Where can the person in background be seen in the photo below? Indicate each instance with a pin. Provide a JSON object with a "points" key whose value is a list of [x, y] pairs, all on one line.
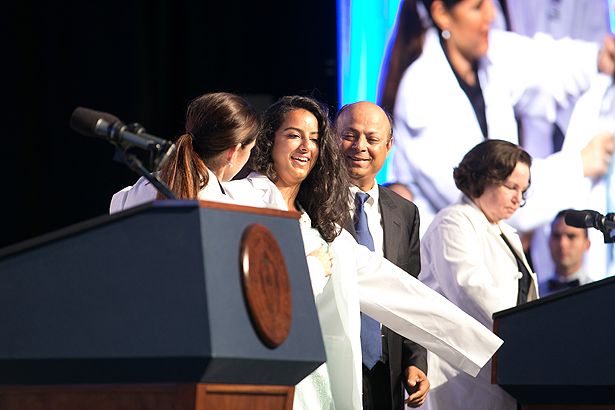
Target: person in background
{"points": [[456, 84], [400, 189], [567, 246], [586, 20], [366, 135], [475, 259]]}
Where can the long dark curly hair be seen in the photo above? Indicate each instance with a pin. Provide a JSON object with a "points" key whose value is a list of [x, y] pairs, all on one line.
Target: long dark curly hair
{"points": [[324, 193]]}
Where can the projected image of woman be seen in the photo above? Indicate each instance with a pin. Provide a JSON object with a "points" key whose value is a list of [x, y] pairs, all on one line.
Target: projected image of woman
{"points": [[458, 83]]}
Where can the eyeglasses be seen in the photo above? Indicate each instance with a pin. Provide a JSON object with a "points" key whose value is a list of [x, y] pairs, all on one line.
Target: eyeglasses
{"points": [[518, 192]]}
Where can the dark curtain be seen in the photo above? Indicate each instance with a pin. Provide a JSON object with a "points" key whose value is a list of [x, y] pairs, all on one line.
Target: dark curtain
{"points": [[142, 61]]}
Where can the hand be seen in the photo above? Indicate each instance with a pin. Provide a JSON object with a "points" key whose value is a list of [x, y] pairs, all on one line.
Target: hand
{"points": [[597, 155], [606, 57], [325, 258], [418, 386]]}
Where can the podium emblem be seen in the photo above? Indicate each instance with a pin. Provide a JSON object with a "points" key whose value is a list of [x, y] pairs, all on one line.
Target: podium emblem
{"points": [[266, 285]]}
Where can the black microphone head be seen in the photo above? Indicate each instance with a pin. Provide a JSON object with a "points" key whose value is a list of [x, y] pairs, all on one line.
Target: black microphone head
{"points": [[87, 122], [582, 219]]}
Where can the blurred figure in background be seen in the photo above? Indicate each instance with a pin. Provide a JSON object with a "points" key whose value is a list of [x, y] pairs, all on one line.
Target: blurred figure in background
{"points": [[400, 189], [595, 113], [586, 20], [568, 246], [460, 83]]}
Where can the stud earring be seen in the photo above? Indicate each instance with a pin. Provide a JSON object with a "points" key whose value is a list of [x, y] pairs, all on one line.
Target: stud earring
{"points": [[446, 34]]}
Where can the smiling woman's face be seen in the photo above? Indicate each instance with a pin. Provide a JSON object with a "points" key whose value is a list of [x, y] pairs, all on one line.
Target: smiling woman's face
{"points": [[295, 148]]}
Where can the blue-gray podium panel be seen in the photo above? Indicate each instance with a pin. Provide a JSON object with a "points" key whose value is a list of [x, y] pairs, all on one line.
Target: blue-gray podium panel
{"points": [[153, 294], [559, 349]]}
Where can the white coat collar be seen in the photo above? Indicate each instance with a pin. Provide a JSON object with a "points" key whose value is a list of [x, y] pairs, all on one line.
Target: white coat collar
{"points": [[256, 190], [479, 219]]}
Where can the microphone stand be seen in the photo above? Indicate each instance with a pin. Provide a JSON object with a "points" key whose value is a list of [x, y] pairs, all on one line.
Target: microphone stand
{"points": [[609, 230], [137, 166]]}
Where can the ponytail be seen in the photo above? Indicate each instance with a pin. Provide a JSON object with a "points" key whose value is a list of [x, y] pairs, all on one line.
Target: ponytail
{"points": [[185, 172], [215, 122]]}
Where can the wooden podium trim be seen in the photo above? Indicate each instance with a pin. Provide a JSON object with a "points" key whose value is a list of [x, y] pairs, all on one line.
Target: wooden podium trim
{"points": [[243, 397], [185, 396]]}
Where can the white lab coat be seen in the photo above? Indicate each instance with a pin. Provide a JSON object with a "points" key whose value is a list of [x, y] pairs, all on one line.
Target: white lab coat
{"points": [[143, 191], [364, 281], [435, 124], [465, 259], [579, 19]]}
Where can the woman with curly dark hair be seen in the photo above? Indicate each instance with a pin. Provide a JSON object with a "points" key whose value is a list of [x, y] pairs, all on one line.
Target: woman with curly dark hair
{"points": [[313, 173], [299, 167]]}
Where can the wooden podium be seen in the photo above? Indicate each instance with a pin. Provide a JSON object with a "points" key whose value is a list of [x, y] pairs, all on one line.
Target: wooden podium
{"points": [[557, 351], [172, 305]]}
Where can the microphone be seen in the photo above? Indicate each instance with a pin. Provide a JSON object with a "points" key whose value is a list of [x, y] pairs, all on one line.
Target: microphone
{"points": [[590, 219], [93, 123], [166, 147]]}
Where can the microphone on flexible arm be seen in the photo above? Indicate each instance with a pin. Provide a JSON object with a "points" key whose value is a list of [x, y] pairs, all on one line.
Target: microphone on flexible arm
{"points": [[592, 219], [102, 124], [98, 124]]}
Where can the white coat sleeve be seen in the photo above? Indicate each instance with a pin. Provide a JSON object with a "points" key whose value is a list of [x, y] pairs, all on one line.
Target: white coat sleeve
{"points": [[544, 74], [118, 200], [553, 74], [455, 253], [404, 304], [585, 121], [421, 157]]}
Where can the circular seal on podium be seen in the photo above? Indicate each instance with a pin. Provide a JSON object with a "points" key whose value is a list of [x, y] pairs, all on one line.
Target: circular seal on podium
{"points": [[266, 285]]}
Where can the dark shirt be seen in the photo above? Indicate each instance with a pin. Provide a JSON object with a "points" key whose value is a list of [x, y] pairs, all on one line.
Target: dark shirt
{"points": [[474, 94], [525, 280]]}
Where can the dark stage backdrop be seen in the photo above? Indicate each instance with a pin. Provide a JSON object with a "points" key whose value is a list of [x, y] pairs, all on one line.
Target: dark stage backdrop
{"points": [[142, 61]]}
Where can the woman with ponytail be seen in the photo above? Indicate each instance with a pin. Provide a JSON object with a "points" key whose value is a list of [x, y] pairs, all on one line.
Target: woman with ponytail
{"points": [[221, 129]]}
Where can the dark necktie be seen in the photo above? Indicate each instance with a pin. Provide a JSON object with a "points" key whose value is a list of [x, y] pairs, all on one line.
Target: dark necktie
{"points": [[555, 285], [371, 342]]}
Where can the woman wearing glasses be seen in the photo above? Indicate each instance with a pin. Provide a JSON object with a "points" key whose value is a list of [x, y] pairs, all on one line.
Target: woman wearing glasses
{"points": [[473, 258]]}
